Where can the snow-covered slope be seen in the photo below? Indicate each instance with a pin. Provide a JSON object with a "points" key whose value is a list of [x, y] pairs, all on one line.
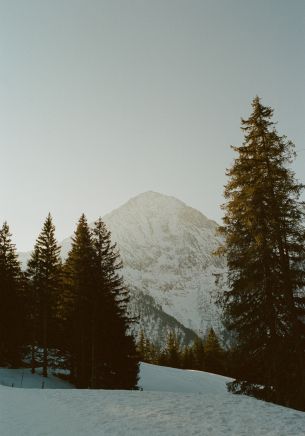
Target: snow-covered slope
{"points": [[173, 402], [167, 252]]}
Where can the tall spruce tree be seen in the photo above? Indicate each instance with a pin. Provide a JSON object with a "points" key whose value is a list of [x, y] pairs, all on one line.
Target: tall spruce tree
{"points": [[213, 353], [173, 350], [44, 274], [265, 248], [198, 353], [113, 366], [11, 307], [79, 272]]}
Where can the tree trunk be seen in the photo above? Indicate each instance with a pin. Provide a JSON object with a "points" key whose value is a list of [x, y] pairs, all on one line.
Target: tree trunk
{"points": [[33, 362], [45, 341], [92, 380]]}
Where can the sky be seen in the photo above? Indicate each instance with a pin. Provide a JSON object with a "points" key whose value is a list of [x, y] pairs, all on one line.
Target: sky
{"points": [[102, 100]]}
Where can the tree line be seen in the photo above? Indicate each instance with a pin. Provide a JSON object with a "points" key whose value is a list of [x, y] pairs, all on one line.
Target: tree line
{"points": [[205, 354], [72, 315]]}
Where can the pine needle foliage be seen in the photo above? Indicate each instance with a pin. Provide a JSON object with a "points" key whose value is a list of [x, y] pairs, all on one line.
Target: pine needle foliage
{"points": [[12, 302], [213, 353], [44, 276], [103, 353], [265, 249]]}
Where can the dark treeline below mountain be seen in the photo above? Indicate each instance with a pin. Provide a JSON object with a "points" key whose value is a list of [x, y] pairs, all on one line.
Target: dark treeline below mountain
{"points": [[203, 354], [71, 315]]}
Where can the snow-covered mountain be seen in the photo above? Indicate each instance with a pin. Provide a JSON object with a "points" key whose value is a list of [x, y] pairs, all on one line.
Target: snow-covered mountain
{"points": [[169, 266]]}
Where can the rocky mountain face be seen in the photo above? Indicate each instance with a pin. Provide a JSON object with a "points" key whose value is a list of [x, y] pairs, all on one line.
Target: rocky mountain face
{"points": [[167, 252]]}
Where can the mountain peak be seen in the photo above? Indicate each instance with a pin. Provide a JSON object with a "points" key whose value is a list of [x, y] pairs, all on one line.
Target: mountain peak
{"points": [[151, 206], [152, 196]]}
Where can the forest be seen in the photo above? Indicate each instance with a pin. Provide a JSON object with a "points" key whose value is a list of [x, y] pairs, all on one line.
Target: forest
{"points": [[70, 315]]}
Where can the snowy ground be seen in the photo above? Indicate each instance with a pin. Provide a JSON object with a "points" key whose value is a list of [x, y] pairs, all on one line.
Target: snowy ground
{"points": [[173, 402], [23, 378]]}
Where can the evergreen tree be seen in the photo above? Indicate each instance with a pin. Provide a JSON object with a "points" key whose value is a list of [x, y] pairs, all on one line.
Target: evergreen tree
{"points": [[187, 358], [142, 347], [264, 244], [103, 353], [11, 307], [172, 351], [44, 274], [152, 353], [198, 354], [118, 365], [147, 351], [79, 271], [213, 353]]}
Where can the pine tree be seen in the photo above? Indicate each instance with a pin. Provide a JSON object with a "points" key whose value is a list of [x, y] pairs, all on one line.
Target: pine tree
{"points": [[44, 274], [103, 353], [198, 354], [147, 351], [11, 307], [213, 353], [118, 365], [142, 346], [172, 351], [79, 272], [187, 358], [152, 352], [264, 244]]}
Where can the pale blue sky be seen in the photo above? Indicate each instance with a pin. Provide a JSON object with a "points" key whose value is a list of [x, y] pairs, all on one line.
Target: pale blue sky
{"points": [[102, 100]]}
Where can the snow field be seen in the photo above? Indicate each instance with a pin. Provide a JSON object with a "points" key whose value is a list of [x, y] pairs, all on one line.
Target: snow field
{"points": [[173, 402]]}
